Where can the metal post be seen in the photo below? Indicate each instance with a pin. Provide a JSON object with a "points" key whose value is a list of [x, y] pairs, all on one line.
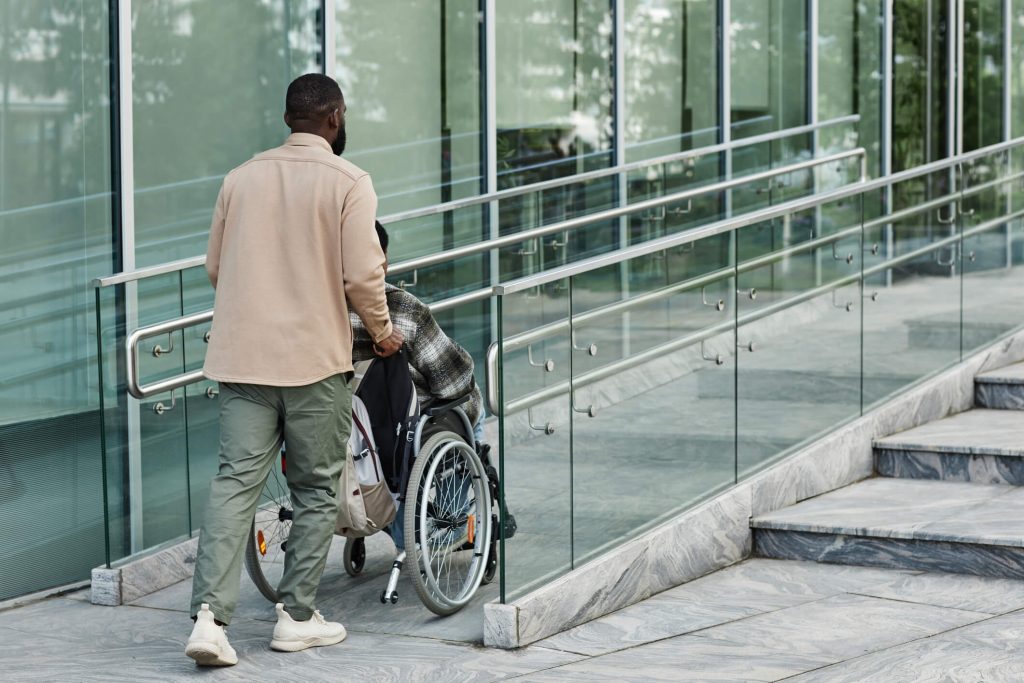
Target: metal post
{"points": [[127, 197], [491, 123], [330, 46]]}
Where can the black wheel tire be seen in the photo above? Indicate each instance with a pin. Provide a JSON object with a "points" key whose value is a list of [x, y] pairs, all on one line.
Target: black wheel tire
{"points": [[383, 597], [394, 597], [492, 564], [355, 556], [255, 569]]}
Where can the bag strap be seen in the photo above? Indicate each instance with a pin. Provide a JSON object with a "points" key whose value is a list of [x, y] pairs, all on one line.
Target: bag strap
{"points": [[369, 446]]}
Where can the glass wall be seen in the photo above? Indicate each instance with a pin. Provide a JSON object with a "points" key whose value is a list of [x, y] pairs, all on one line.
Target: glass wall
{"points": [[56, 231], [849, 44], [982, 73], [769, 66], [1016, 76], [208, 93], [671, 76]]}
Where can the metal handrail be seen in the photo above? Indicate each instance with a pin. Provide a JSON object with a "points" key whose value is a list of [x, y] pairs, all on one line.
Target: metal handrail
{"points": [[731, 225], [445, 304], [171, 383], [601, 216], [196, 261], [605, 371]]}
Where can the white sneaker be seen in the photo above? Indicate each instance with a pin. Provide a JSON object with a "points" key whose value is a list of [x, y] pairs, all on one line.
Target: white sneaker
{"points": [[292, 636], [208, 644]]}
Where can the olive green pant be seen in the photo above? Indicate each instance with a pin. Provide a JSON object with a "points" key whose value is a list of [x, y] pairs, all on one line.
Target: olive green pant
{"points": [[314, 421]]}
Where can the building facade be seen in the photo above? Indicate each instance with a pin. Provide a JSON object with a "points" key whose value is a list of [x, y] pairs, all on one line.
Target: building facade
{"points": [[119, 118]]}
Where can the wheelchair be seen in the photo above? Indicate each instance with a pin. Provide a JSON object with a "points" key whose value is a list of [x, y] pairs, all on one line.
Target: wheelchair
{"points": [[445, 530]]}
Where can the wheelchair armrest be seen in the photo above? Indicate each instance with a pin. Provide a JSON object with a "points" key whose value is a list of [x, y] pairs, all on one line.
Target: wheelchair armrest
{"points": [[433, 410]]}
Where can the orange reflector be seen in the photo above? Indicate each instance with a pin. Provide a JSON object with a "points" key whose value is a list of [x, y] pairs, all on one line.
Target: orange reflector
{"points": [[471, 527], [261, 542]]}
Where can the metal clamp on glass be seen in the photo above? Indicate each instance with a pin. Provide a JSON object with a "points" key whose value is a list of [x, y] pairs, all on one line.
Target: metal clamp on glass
{"points": [[836, 257], [591, 349], [403, 284], [212, 392], [749, 346], [946, 264], [159, 350], [946, 221], [548, 364], [752, 293], [547, 427], [676, 211], [717, 305], [717, 358], [527, 252], [159, 408], [848, 305]]}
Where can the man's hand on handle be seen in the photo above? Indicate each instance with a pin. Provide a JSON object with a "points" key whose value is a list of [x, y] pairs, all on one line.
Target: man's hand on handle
{"points": [[389, 345]]}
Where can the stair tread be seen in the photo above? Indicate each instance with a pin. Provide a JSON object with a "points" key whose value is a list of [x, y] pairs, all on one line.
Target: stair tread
{"points": [[926, 510], [980, 431], [1011, 374]]}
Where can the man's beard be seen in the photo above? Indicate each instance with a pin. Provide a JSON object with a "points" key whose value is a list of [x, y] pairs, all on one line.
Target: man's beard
{"points": [[338, 146]]}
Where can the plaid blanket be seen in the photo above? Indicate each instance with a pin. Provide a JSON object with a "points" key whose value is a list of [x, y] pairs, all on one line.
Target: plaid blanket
{"points": [[441, 369]]}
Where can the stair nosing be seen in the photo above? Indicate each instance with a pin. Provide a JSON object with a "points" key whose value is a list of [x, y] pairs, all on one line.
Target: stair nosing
{"points": [[882, 534], [995, 451]]}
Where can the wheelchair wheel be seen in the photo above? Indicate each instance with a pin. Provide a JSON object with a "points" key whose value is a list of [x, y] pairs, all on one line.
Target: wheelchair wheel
{"points": [[355, 556], [447, 523], [268, 535]]}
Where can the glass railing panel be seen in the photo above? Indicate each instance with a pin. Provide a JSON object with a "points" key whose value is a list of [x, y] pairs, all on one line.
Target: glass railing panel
{"points": [[911, 301], [201, 399], [653, 403], [993, 276], [112, 397], [798, 330], [535, 440], [159, 480]]}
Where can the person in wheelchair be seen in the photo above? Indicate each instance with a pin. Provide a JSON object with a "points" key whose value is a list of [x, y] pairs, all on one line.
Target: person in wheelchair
{"points": [[441, 369]]}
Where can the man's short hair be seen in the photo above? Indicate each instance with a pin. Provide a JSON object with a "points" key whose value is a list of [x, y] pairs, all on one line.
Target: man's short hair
{"points": [[312, 96], [382, 235]]}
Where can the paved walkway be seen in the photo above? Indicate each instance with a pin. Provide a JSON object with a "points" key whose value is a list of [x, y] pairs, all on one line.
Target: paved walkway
{"points": [[762, 620]]}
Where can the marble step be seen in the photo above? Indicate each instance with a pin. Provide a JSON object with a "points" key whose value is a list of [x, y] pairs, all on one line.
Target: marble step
{"points": [[982, 446], [942, 526], [1001, 389]]}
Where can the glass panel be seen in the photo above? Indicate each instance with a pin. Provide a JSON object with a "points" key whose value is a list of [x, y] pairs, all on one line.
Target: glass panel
{"points": [[671, 76], [56, 232], [983, 73], [536, 465], [993, 296], [661, 435], [158, 480], [769, 65], [911, 302], [410, 71], [798, 369], [200, 399], [850, 75], [183, 149]]}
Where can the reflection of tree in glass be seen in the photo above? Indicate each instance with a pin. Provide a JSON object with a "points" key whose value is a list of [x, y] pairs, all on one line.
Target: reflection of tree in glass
{"points": [[209, 81]]}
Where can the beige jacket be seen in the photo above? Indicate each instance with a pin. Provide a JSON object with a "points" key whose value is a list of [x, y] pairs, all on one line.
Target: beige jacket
{"points": [[292, 238]]}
